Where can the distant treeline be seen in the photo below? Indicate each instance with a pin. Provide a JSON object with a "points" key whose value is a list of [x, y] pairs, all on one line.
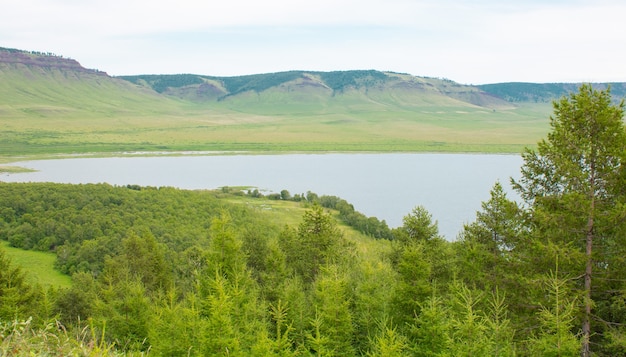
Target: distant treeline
{"points": [[160, 83], [370, 226], [36, 53], [336, 80], [340, 80], [545, 92]]}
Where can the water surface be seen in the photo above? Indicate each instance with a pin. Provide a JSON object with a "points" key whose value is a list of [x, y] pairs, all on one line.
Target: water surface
{"points": [[388, 186]]}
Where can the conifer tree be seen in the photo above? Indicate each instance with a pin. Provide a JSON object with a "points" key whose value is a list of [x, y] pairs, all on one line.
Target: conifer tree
{"points": [[15, 293], [413, 285], [316, 242], [332, 302], [225, 249], [300, 310], [141, 258], [373, 286], [229, 294], [488, 252], [431, 329], [416, 251], [282, 343], [389, 343], [499, 329], [574, 184], [496, 228], [469, 331], [316, 340], [555, 337], [175, 327], [419, 226], [76, 303], [221, 327], [123, 311]]}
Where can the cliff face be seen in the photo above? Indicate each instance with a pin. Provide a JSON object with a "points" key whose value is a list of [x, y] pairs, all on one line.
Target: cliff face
{"points": [[11, 56], [36, 85]]}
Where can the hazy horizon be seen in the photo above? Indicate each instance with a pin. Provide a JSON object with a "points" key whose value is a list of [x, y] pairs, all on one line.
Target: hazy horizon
{"points": [[470, 42]]}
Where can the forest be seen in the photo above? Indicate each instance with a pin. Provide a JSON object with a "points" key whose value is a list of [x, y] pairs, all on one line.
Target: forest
{"points": [[163, 271], [336, 80]]}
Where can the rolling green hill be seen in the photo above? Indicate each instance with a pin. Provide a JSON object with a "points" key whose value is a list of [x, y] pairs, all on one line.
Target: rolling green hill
{"points": [[47, 86], [52, 105], [544, 92], [316, 91]]}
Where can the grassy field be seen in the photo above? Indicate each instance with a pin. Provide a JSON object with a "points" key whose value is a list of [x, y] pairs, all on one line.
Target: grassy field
{"points": [[210, 129], [38, 265], [53, 112], [13, 169]]}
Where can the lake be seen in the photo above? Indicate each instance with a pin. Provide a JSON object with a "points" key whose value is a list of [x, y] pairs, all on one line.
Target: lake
{"points": [[450, 186]]}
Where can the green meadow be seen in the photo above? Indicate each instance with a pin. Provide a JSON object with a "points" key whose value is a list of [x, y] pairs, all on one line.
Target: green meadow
{"points": [[56, 112], [210, 129], [38, 265]]}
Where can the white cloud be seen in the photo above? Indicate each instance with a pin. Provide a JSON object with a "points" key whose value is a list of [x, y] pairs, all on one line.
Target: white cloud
{"points": [[468, 41]]}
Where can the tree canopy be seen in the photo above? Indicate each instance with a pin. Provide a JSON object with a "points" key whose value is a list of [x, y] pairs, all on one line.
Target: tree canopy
{"points": [[175, 272], [574, 186]]}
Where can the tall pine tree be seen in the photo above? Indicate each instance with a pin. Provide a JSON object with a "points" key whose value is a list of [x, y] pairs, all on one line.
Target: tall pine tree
{"points": [[573, 184]]}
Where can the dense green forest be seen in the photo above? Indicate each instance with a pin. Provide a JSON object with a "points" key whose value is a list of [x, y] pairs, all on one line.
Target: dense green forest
{"points": [[163, 271]]}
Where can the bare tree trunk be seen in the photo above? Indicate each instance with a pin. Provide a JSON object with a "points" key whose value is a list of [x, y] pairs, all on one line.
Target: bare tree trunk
{"points": [[586, 349]]}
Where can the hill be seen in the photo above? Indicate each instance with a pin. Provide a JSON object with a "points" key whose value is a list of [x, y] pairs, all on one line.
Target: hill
{"points": [[516, 92], [46, 84], [317, 90], [52, 105], [337, 83]]}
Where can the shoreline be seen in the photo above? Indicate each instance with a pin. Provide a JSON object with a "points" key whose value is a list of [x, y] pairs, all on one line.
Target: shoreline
{"points": [[7, 168], [6, 160]]}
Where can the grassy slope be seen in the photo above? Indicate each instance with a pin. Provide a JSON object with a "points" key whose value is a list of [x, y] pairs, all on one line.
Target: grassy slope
{"points": [[49, 111], [389, 120], [52, 110], [38, 265], [289, 213]]}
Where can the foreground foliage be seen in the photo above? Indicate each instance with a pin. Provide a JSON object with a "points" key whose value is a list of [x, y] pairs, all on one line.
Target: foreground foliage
{"points": [[172, 272]]}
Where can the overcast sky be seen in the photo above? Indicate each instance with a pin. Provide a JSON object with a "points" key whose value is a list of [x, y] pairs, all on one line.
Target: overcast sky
{"points": [[468, 41]]}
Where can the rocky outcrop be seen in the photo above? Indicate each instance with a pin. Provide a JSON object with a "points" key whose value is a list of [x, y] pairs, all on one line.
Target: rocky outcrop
{"points": [[44, 60]]}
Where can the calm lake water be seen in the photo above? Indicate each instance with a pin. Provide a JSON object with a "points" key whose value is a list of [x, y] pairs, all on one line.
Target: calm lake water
{"points": [[450, 186]]}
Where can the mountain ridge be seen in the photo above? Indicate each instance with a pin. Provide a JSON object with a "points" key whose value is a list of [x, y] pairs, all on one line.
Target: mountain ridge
{"points": [[43, 59], [515, 92], [208, 88], [323, 84], [512, 92], [51, 104]]}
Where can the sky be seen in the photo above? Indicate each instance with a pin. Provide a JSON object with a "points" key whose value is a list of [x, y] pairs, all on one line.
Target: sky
{"points": [[467, 41]]}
